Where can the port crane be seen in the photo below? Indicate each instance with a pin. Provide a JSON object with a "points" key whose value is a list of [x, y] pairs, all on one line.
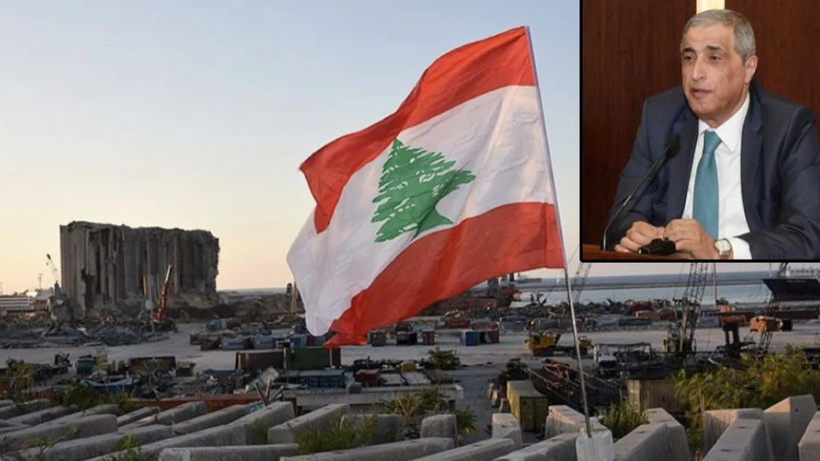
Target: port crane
{"points": [[579, 281], [53, 267], [681, 338]]}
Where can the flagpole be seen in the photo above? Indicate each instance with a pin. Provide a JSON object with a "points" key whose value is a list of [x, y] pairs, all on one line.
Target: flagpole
{"points": [[563, 247]]}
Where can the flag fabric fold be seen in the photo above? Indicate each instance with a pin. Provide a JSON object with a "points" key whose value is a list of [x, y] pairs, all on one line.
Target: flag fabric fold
{"points": [[450, 190]]}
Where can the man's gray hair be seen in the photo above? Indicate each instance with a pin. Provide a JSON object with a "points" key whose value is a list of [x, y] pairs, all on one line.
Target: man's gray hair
{"points": [[744, 35]]}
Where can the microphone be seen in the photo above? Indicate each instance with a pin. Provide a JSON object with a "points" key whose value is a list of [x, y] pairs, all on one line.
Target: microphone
{"points": [[669, 152]]}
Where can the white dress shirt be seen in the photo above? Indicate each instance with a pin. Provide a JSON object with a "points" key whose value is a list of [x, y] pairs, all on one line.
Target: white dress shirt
{"points": [[731, 215]]}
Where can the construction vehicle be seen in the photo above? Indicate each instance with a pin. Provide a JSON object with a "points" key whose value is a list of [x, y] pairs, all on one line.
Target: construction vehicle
{"points": [[160, 319], [545, 344], [770, 311]]}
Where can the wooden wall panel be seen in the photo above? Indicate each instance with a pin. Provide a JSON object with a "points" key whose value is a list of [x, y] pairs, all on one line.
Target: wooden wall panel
{"points": [[786, 34], [629, 51]]}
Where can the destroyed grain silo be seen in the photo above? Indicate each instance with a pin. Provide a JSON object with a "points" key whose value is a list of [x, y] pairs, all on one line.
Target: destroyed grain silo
{"points": [[106, 266]]}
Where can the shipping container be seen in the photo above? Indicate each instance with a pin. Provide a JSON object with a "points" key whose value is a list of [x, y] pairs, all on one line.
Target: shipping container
{"points": [[469, 337], [378, 338], [527, 405], [368, 378], [407, 338], [492, 336], [233, 344], [259, 361], [652, 393], [457, 322], [309, 358], [263, 341], [428, 338]]}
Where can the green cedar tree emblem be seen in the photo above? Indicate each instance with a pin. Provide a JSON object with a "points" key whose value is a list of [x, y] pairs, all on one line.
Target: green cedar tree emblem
{"points": [[411, 185]]}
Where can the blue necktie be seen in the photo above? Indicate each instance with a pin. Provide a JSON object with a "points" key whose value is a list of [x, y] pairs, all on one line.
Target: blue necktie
{"points": [[706, 202]]}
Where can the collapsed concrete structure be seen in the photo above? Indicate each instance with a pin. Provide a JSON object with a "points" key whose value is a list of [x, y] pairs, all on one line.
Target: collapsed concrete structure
{"points": [[108, 265]]}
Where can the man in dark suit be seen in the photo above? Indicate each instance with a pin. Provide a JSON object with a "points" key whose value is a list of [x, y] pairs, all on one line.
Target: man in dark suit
{"points": [[745, 183]]}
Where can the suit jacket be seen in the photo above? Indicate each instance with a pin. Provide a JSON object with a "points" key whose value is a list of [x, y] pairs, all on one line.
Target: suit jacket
{"points": [[779, 164]]}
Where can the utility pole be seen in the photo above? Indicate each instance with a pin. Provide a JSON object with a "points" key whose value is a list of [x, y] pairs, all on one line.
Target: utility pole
{"points": [[40, 281]]}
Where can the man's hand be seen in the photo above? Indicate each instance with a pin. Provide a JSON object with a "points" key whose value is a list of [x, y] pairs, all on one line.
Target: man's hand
{"points": [[689, 236], [640, 234]]}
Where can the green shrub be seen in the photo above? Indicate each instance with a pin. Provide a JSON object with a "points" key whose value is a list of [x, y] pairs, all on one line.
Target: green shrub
{"points": [[129, 450], [337, 436], [754, 384], [622, 419], [444, 360], [84, 397], [415, 406]]}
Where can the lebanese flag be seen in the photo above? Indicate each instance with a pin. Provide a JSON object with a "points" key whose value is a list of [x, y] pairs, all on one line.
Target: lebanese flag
{"points": [[452, 189]]}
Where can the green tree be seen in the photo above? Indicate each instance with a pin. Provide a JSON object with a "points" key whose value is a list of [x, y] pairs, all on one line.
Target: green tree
{"points": [[755, 384], [412, 183], [622, 419]]}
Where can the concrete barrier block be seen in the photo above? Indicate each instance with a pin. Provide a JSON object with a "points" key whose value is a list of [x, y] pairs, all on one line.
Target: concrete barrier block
{"points": [[645, 442], [485, 450], [216, 418], [562, 419], [106, 409], [809, 446], [19, 409], [786, 421], [396, 451], [561, 447], [386, 428], [490, 388], [598, 447], [504, 425], [743, 440], [100, 445], [222, 436], [181, 413], [249, 453], [288, 432], [715, 422], [256, 424], [172, 416], [136, 415], [676, 433], [81, 428], [42, 416], [6, 426], [439, 426]]}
